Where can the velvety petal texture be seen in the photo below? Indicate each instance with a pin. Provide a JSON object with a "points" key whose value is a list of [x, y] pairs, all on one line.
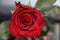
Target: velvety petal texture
{"points": [[26, 21]]}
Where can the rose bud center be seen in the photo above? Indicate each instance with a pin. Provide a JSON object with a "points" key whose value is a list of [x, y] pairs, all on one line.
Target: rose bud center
{"points": [[26, 20]]}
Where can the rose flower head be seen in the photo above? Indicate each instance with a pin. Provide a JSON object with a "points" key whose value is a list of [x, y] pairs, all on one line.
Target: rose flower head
{"points": [[26, 21]]}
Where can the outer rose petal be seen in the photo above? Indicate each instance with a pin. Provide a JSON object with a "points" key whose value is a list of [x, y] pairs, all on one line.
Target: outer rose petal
{"points": [[28, 7], [14, 30]]}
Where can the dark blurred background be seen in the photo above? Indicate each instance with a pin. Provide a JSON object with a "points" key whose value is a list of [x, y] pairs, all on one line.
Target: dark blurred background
{"points": [[5, 9]]}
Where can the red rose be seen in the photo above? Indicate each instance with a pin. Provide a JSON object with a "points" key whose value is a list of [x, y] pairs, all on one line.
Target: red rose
{"points": [[26, 21]]}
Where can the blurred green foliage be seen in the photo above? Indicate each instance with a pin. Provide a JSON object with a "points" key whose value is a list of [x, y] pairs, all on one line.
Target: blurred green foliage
{"points": [[4, 30], [44, 5]]}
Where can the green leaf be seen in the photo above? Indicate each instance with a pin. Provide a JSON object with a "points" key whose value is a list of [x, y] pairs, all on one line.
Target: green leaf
{"points": [[4, 30], [46, 15], [44, 5], [45, 30], [57, 11]]}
